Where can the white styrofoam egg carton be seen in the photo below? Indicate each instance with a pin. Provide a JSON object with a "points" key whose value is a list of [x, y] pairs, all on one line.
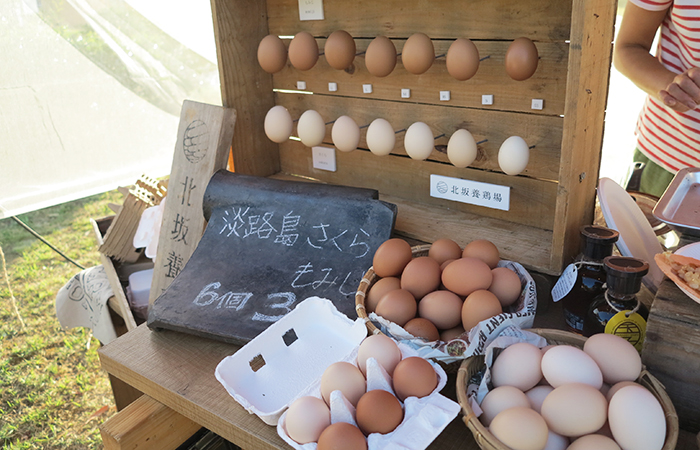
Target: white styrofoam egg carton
{"points": [[284, 362], [424, 418], [287, 361]]}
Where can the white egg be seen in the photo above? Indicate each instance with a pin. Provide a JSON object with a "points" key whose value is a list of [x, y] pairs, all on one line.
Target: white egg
{"points": [[536, 396], [574, 409], [419, 141], [617, 358], [565, 364], [311, 128], [499, 399], [345, 134], [461, 148], [637, 420], [278, 124], [518, 365], [556, 441], [381, 137], [513, 155]]}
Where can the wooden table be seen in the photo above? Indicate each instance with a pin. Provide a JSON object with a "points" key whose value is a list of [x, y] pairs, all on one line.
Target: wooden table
{"points": [[177, 370], [672, 348]]}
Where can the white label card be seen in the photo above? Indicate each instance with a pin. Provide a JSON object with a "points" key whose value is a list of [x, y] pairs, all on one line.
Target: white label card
{"points": [[473, 192], [565, 282], [323, 158], [311, 10]]}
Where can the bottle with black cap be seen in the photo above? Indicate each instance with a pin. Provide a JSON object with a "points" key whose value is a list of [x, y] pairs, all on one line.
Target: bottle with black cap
{"points": [[596, 243], [618, 310]]}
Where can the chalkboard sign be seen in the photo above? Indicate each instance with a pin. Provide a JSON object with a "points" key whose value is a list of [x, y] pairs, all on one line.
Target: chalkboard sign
{"points": [[268, 245]]}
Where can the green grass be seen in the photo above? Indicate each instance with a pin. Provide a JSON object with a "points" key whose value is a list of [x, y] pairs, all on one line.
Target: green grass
{"points": [[53, 392]]}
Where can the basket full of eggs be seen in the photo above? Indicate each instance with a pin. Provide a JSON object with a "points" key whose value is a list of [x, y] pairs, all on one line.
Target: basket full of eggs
{"points": [[445, 301], [551, 389]]}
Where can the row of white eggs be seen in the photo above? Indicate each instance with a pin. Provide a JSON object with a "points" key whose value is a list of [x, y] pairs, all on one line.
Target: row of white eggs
{"points": [[417, 55], [419, 140]]}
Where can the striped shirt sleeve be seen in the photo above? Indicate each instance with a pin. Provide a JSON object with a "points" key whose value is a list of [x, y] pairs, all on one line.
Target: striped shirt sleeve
{"points": [[653, 5]]}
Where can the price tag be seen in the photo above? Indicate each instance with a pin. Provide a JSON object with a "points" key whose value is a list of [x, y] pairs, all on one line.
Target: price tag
{"points": [[311, 10], [565, 283], [323, 158]]}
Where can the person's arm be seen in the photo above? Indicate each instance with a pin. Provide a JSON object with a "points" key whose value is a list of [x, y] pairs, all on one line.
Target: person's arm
{"points": [[632, 58]]}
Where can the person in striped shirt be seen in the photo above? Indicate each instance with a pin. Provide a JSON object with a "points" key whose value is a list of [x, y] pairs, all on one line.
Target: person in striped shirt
{"points": [[668, 128]]}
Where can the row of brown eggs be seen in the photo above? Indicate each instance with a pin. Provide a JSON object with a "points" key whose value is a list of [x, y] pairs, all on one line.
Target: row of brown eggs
{"points": [[308, 418], [439, 296], [417, 56], [562, 397]]}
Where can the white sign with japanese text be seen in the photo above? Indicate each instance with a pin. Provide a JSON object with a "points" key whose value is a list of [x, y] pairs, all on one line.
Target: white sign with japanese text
{"points": [[473, 192]]}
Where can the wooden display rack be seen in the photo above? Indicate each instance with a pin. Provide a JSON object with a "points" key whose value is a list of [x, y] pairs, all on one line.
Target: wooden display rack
{"points": [[550, 200]]}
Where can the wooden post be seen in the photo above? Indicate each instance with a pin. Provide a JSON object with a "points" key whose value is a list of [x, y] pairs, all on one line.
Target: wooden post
{"points": [[203, 144]]}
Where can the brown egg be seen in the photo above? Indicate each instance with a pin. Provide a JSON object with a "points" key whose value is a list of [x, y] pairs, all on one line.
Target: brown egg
{"points": [[377, 291], [340, 50], [422, 328], [421, 276], [446, 262], [342, 436], [506, 285], [391, 257], [484, 250], [521, 59], [272, 54], [452, 333], [414, 377], [398, 306], [479, 305], [418, 54], [466, 275], [462, 59], [380, 57], [442, 308], [303, 51], [378, 411], [380, 347], [444, 249], [344, 377]]}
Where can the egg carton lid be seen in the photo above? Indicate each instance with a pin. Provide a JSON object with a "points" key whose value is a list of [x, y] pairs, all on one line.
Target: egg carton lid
{"points": [[286, 360]]}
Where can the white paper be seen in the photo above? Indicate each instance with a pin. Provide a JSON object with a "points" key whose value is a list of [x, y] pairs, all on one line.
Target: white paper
{"points": [[147, 233], [311, 10], [82, 302], [565, 283]]}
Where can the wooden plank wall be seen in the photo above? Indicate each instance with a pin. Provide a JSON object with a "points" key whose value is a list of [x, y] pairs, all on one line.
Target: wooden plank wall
{"points": [[555, 193]]}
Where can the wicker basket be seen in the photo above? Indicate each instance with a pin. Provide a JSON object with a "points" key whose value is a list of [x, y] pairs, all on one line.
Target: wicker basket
{"points": [[487, 441], [368, 281]]}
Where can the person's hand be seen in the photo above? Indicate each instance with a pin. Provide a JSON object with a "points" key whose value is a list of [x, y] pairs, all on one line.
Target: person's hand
{"points": [[683, 94]]}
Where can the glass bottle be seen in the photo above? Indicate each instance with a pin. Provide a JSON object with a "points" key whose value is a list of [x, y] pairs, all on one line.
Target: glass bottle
{"points": [[618, 310], [596, 243]]}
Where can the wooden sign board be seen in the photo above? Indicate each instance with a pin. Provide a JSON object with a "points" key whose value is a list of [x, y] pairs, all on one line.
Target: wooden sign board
{"points": [[203, 144], [270, 244]]}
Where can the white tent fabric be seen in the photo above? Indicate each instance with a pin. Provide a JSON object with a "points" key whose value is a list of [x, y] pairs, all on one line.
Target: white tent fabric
{"points": [[73, 126]]}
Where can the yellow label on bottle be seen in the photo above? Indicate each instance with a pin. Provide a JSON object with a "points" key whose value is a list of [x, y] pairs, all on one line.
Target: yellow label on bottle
{"points": [[628, 325]]}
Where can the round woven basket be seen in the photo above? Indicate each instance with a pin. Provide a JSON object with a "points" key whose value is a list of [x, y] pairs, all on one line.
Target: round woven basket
{"points": [[368, 281], [487, 441]]}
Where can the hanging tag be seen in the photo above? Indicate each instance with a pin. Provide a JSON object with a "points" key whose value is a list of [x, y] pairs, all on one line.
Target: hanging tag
{"points": [[565, 283], [628, 325]]}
